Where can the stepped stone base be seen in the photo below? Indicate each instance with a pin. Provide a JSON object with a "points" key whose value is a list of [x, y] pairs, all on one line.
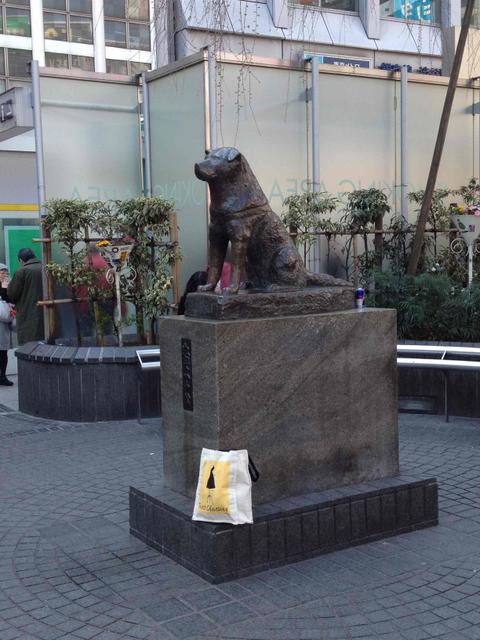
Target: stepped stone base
{"points": [[284, 531]]}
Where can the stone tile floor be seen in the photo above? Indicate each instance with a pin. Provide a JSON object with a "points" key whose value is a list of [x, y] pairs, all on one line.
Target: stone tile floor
{"points": [[69, 568]]}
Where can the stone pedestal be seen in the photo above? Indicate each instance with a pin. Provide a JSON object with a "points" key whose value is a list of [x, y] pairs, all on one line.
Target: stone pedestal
{"points": [[312, 397]]}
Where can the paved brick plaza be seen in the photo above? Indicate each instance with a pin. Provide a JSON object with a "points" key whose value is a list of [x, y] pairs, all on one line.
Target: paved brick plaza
{"points": [[69, 569]]}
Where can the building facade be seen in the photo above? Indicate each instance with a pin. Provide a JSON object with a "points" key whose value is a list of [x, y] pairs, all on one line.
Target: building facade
{"points": [[420, 33], [130, 36], [113, 36]]}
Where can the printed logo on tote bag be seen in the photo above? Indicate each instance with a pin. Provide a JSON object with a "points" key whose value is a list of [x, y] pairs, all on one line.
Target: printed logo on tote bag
{"points": [[214, 496], [224, 487]]}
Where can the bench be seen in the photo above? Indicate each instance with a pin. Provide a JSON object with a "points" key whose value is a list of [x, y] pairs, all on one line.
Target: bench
{"points": [[442, 357]]}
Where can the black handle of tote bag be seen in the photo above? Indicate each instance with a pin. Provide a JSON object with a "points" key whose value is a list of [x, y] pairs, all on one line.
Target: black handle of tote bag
{"points": [[252, 470]]}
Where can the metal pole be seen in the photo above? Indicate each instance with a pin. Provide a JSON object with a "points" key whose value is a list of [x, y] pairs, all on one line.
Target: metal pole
{"points": [[212, 107], [37, 123], [470, 264], [315, 125], [40, 170], [445, 392], [146, 135], [403, 145], [119, 309]]}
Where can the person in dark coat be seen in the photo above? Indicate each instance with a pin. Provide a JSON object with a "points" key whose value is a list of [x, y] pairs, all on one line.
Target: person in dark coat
{"points": [[5, 329], [195, 280], [24, 291]]}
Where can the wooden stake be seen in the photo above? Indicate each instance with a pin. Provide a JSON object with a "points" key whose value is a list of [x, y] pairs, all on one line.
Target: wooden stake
{"points": [[50, 315], [97, 315], [173, 232], [442, 133]]}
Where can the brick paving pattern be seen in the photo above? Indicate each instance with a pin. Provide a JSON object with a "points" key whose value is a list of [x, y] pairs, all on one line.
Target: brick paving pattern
{"points": [[69, 568]]}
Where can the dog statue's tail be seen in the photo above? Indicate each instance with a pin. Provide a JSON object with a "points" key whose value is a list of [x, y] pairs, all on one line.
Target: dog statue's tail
{"points": [[324, 280]]}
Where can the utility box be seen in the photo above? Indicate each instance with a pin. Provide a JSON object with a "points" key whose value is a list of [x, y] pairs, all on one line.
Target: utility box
{"points": [[16, 113]]}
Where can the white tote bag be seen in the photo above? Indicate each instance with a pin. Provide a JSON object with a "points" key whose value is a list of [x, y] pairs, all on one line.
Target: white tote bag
{"points": [[224, 489], [5, 310]]}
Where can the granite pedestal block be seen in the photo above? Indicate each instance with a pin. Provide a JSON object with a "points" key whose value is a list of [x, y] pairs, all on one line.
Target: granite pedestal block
{"points": [[285, 531], [312, 397], [269, 304]]}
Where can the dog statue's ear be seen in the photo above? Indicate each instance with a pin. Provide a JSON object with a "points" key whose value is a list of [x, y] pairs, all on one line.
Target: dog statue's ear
{"points": [[233, 154]]}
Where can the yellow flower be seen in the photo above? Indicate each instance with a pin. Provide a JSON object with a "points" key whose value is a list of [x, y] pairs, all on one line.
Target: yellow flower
{"points": [[103, 243], [461, 209]]}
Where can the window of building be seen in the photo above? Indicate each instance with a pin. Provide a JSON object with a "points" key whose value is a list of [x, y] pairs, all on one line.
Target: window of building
{"points": [[114, 9], [60, 5], [82, 6], [115, 33], [138, 10], [64, 61], [82, 62], [475, 16], [139, 36], [55, 25], [13, 65], [57, 60], [16, 21], [81, 29], [336, 5], [127, 24], [418, 10], [339, 5], [18, 62], [73, 24], [124, 68], [117, 66]]}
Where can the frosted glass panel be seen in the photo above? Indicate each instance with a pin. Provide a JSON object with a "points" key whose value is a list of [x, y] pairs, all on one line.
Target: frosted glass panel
{"points": [[356, 133], [425, 105], [270, 128], [93, 152], [178, 141]]}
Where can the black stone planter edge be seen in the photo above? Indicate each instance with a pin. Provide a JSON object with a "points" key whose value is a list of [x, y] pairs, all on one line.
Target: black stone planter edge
{"points": [[40, 352]]}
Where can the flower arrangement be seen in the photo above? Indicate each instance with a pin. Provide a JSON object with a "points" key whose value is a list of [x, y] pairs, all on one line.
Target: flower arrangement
{"points": [[461, 210], [116, 252]]}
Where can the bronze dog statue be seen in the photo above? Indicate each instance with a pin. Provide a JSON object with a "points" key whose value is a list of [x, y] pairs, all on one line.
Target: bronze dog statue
{"points": [[260, 244]]}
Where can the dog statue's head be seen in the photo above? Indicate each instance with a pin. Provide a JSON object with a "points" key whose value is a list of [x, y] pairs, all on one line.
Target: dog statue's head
{"points": [[219, 164]]}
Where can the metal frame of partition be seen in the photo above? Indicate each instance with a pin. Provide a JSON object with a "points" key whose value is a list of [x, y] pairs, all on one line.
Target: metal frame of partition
{"points": [[429, 362]]}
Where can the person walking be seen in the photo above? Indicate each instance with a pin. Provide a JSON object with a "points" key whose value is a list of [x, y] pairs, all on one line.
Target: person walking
{"points": [[6, 320], [24, 291]]}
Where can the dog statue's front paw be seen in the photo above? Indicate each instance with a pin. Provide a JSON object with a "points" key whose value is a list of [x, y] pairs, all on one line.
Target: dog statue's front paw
{"points": [[206, 287], [230, 290]]}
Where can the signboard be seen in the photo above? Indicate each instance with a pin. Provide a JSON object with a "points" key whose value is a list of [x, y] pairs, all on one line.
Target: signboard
{"points": [[16, 238], [340, 61], [16, 113], [407, 10]]}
